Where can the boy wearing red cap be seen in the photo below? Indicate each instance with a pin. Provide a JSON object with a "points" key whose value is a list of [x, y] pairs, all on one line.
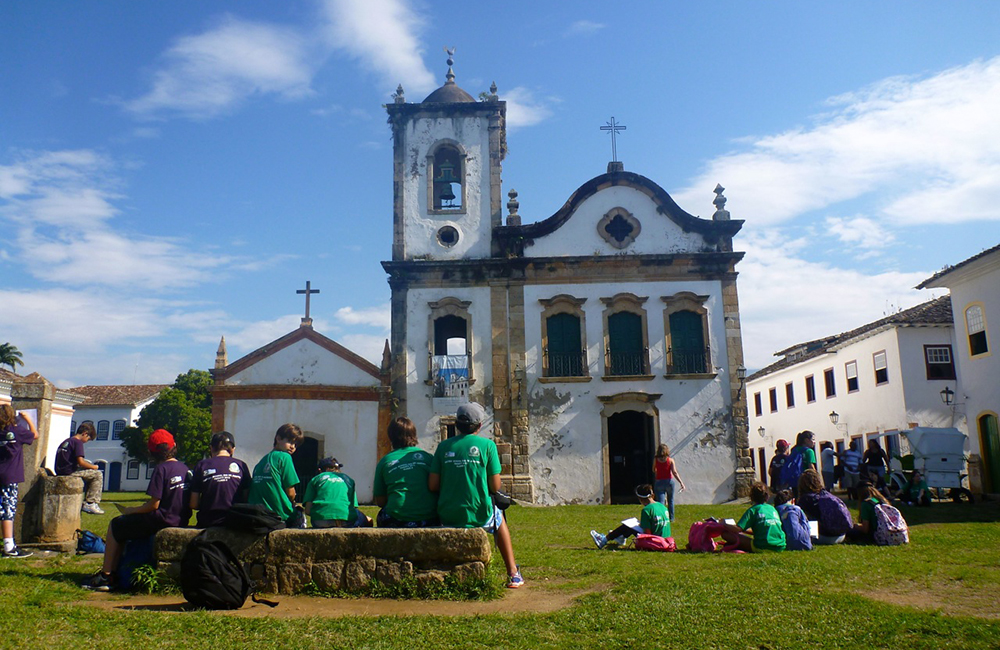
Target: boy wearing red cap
{"points": [[163, 509]]}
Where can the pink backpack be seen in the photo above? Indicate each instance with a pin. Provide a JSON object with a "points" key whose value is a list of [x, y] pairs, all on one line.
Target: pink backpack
{"points": [[702, 534], [644, 542]]}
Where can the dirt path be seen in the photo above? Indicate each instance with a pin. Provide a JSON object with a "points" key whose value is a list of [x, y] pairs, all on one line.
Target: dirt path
{"points": [[530, 599]]}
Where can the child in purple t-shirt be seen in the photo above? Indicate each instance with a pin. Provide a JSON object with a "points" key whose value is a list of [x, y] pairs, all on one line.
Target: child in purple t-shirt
{"points": [[218, 482], [16, 430], [163, 509]]}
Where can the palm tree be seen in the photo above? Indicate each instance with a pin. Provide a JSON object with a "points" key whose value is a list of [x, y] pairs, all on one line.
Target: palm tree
{"points": [[10, 356]]}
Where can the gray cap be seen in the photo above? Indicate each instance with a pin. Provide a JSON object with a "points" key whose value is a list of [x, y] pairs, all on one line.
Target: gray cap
{"points": [[470, 413]]}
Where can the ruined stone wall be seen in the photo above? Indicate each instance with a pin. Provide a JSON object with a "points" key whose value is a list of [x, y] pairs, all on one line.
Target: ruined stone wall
{"points": [[287, 561]]}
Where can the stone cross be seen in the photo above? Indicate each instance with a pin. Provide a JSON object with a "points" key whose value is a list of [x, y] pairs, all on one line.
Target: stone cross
{"points": [[307, 291], [613, 128]]}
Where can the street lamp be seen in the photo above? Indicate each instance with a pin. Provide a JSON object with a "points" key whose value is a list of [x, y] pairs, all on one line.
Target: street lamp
{"points": [[741, 375], [947, 396], [834, 417], [760, 430]]}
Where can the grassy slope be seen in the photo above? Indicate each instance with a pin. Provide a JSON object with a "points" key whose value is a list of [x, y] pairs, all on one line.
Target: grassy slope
{"points": [[788, 600]]}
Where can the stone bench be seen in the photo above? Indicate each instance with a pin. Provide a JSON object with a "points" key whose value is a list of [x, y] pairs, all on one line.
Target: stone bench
{"points": [[339, 559]]}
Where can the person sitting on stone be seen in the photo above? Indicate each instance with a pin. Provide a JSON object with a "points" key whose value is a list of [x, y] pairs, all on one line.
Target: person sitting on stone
{"points": [[275, 478], [163, 509], [465, 473], [70, 462], [330, 499], [216, 483], [401, 481]]}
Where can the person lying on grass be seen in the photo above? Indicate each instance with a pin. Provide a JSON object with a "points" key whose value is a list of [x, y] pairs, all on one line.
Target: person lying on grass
{"points": [[654, 520], [163, 509], [762, 520]]}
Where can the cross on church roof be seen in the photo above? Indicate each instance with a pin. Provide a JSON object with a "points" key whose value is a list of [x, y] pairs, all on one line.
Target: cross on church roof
{"points": [[613, 128], [307, 291]]}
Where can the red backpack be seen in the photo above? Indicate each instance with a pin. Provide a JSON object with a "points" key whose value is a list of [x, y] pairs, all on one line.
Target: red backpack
{"points": [[701, 537], [644, 542]]}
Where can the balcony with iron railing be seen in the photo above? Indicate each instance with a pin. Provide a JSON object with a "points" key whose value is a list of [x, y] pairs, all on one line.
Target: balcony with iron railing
{"points": [[627, 364], [565, 364], [687, 362]]}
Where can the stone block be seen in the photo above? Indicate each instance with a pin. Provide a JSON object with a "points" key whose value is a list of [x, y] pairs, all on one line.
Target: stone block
{"points": [[388, 573], [469, 571], [358, 573], [59, 510], [293, 578], [431, 578], [328, 575]]}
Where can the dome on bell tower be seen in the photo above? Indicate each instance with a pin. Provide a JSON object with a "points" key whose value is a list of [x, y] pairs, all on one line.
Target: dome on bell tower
{"points": [[449, 93]]}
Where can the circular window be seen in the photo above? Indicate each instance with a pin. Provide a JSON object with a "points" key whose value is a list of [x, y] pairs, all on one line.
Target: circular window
{"points": [[448, 236]]}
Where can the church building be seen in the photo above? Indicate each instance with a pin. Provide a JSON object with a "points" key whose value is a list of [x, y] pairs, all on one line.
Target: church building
{"points": [[590, 335]]}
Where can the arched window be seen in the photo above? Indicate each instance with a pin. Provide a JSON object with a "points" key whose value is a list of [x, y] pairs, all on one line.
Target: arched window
{"points": [[975, 325], [132, 470], [450, 348], [446, 174], [626, 349], [116, 429], [102, 429], [686, 327], [564, 341]]}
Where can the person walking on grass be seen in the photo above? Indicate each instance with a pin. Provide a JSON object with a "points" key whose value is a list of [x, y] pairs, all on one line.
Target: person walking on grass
{"points": [[16, 430], [665, 472], [465, 471], [166, 492], [70, 462]]}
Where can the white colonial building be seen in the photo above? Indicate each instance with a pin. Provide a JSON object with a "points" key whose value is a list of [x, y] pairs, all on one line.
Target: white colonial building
{"points": [[590, 336], [975, 298], [882, 377], [110, 409]]}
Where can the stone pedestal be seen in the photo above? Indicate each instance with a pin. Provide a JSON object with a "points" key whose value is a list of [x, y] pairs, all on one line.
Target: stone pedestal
{"points": [[52, 513]]}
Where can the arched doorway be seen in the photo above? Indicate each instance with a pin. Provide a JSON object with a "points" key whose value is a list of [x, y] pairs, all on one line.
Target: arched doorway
{"points": [[102, 465], [115, 477], [306, 460], [630, 426], [989, 442]]}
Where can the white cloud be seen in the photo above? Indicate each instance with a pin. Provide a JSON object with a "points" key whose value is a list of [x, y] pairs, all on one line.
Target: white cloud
{"points": [[524, 109], [366, 345], [380, 316], [584, 27], [929, 146], [208, 73], [60, 205], [382, 35], [859, 232]]}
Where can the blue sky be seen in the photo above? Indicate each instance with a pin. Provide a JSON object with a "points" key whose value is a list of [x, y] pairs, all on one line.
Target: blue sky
{"points": [[172, 172]]}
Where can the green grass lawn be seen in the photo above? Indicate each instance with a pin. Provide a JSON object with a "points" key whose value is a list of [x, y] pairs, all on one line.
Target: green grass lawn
{"points": [[817, 599]]}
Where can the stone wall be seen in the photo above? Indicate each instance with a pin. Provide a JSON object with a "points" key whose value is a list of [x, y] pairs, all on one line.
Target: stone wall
{"points": [[287, 561]]}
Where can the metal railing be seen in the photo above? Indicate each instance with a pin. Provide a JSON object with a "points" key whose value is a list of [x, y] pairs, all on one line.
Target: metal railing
{"points": [[627, 363], [569, 364], [681, 363]]}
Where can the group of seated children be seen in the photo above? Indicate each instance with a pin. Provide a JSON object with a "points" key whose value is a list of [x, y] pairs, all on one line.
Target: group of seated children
{"points": [[653, 520], [452, 487]]}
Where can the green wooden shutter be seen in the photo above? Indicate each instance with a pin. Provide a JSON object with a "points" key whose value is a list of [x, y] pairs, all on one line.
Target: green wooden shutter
{"points": [[564, 346], [626, 344], [687, 342]]}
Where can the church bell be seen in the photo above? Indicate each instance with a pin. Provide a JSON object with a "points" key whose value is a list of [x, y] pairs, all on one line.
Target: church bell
{"points": [[446, 177]]}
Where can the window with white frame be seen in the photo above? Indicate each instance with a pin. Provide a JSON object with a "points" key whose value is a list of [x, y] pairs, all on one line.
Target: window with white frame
{"points": [[828, 381], [881, 368], [149, 471], [810, 389], [939, 362], [758, 408], [975, 325], [772, 399], [132, 470], [102, 429], [789, 395], [851, 371], [116, 429]]}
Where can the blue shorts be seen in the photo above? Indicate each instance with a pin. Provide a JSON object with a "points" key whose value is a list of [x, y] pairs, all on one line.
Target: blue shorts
{"points": [[8, 501], [493, 523]]}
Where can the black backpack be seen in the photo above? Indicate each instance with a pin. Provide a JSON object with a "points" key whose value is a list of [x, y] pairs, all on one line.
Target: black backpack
{"points": [[212, 577], [252, 518]]}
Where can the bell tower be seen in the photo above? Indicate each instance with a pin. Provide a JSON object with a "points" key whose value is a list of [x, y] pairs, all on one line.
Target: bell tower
{"points": [[448, 152]]}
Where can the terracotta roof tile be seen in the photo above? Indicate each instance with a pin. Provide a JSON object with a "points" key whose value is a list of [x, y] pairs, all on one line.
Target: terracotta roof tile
{"points": [[117, 395], [948, 269], [932, 312]]}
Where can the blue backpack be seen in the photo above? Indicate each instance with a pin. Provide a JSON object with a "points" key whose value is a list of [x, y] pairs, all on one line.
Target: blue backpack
{"points": [[792, 469], [796, 528], [88, 542]]}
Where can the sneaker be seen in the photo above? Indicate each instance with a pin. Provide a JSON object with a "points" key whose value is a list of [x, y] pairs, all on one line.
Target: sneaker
{"points": [[599, 539], [101, 581], [515, 581], [17, 552], [92, 508]]}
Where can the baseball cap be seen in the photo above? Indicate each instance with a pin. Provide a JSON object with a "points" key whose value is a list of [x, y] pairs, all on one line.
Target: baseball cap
{"points": [[160, 437], [330, 463], [470, 413], [782, 444]]}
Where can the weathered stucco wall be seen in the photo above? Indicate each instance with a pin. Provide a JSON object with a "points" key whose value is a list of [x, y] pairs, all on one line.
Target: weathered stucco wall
{"points": [[565, 418], [303, 363], [473, 224], [344, 429]]}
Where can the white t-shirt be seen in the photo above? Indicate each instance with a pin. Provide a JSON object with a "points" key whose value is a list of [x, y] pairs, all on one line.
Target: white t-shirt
{"points": [[828, 456]]}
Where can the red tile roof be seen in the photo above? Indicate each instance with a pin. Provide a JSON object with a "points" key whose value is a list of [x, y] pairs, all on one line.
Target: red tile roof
{"points": [[117, 395]]}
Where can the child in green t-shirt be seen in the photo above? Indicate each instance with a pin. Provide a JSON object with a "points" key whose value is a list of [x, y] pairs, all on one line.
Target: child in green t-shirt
{"points": [[330, 499], [274, 477], [762, 520], [864, 530], [654, 520], [916, 492]]}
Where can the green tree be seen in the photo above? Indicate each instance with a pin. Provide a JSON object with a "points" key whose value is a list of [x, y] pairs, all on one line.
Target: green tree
{"points": [[10, 356], [185, 410]]}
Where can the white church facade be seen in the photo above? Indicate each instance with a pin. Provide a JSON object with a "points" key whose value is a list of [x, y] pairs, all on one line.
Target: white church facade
{"points": [[590, 336]]}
